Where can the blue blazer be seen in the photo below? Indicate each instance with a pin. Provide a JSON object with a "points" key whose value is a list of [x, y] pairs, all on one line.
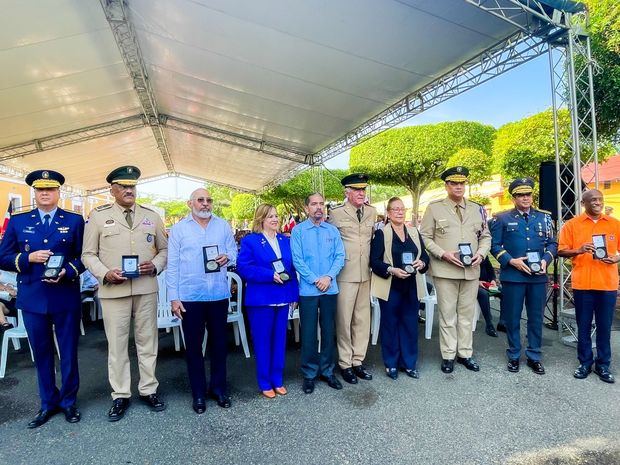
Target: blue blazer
{"points": [[24, 235], [254, 265]]}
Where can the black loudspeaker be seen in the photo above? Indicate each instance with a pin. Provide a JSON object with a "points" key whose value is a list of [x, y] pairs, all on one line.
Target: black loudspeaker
{"points": [[547, 199]]}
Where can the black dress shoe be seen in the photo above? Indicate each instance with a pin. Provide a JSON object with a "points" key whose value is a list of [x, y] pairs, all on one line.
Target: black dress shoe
{"points": [[199, 405], [412, 373], [582, 372], [604, 374], [348, 375], [447, 366], [41, 418], [536, 366], [308, 386], [154, 403], [468, 363], [72, 414], [362, 372], [222, 399], [490, 330], [501, 327], [332, 382], [391, 373], [513, 365], [118, 409]]}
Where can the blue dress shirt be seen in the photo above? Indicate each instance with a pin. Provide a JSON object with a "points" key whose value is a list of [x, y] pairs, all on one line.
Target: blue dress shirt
{"points": [[317, 251], [51, 213], [186, 279]]}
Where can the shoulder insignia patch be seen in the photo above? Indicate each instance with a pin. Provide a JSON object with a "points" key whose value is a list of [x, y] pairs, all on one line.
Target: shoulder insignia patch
{"points": [[146, 208], [21, 212], [103, 207], [547, 212]]}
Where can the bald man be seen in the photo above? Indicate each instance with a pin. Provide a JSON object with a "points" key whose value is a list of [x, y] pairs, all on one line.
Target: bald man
{"points": [[200, 248]]}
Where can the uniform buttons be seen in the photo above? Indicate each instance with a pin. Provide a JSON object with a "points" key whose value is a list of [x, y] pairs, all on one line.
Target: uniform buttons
{"points": [[528, 238], [45, 241], [527, 229]]}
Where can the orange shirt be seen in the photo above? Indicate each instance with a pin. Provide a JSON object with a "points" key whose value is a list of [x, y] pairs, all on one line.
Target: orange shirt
{"points": [[588, 273]]}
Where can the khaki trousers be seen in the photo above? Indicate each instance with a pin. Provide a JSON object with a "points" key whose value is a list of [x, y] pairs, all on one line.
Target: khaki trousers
{"points": [[456, 300], [353, 323], [117, 316]]}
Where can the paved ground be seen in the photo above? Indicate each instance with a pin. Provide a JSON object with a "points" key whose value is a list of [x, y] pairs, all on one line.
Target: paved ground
{"points": [[465, 418]]}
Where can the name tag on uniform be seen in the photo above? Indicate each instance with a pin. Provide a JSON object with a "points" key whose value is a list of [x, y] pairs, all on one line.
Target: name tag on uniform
{"points": [[513, 224], [109, 223], [28, 231]]}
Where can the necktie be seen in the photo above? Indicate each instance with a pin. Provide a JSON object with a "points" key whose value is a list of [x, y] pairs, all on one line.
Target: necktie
{"points": [[46, 222], [525, 216], [359, 215], [128, 217], [458, 213]]}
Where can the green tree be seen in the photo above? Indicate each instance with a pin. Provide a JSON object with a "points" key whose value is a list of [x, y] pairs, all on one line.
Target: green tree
{"points": [[414, 156], [381, 192], [243, 206], [478, 162], [175, 210], [292, 193], [222, 198], [604, 30]]}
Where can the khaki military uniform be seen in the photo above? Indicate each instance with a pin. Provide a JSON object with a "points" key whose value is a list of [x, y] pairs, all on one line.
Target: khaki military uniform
{"points": [[456, 287], [353, 314], [107, 237]]}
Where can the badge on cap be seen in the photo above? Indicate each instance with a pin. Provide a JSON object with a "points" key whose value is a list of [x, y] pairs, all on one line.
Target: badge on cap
{"points": [[459, 169], [45, 175]]}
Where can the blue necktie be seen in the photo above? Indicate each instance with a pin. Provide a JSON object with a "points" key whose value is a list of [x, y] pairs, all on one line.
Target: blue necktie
{"points": [[46, 222]]}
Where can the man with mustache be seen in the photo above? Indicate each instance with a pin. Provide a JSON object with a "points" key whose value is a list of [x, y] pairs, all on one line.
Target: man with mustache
{"points": [[125, 247], [318, 255], [202, 246]]}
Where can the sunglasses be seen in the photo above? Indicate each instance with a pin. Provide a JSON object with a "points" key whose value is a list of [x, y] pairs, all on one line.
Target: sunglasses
{"points": [[204, 200]]}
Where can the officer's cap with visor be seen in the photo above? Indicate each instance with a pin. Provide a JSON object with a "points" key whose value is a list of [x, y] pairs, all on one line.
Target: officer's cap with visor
{"points": [[455, 174], [355, 181], [124, 175], [45, 179], [521, 186]]}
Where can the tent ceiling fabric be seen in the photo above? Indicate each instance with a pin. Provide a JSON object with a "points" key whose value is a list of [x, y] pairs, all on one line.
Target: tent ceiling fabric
{"points": [[298, 74]]}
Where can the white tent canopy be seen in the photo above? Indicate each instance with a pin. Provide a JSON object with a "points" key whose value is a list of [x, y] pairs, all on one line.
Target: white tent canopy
{"points": [[240, 93]]}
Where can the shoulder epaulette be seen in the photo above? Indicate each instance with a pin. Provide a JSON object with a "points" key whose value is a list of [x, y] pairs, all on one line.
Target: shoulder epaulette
{"points": [[103, 207], [475, 203], [146, 208], [340, 205], [436, 201], [544, 211], [22, 212]]}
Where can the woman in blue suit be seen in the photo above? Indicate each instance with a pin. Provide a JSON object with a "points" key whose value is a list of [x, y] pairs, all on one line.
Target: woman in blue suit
{"points": [[266, 265]]}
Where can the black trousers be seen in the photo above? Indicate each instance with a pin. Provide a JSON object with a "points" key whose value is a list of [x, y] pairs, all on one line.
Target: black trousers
{"points": [[313, 310], [213, 315]]}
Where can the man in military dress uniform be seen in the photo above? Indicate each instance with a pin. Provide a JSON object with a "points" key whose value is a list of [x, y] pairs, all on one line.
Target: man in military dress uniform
{"points": [[519, 237], [355, 221], [49, 297], [448, 226], [125, 228]]}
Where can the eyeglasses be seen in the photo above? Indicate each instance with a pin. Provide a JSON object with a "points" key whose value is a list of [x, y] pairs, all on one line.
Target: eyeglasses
{"points": [[204, 200], [397, 209]]}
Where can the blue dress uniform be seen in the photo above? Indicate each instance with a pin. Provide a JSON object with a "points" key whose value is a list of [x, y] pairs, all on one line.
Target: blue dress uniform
{"points": [[513, 235], [45, 304]]}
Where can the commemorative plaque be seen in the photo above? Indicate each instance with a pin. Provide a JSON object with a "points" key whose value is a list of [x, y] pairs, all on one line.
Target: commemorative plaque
{"points": [[407, 259], [130, 266], [209, 254], [278, 267], [467, 255], [534, 262], [600, 246], [53, 266]]}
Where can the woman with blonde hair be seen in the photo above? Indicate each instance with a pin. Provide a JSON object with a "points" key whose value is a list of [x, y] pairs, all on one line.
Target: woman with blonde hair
{"points": [[266, 265], [397, 257]]}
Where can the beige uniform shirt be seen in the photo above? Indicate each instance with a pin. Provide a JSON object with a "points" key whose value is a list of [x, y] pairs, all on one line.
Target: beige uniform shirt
{"points": [[107, 237], [356, 236], [442, 231]]}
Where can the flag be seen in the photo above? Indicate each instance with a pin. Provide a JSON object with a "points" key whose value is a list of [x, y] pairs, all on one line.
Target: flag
{"points": [[289, 225], [7, 217]]}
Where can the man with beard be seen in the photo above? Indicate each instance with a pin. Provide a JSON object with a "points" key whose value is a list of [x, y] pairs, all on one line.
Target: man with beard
{"points": [[125, 247], [202, 245], [591, 240], [318, 255]]}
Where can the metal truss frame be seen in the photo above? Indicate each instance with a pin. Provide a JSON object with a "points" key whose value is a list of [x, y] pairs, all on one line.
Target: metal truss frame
{"points": [[125, 36], [572, 70], [71, 137], [228, 137], [505, 55]]}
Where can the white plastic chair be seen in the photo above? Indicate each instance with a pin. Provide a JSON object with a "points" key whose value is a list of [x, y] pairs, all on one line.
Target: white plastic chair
{"points": [[375, 319], [429, 300], [165, 318], [15, 334], [235, 316]]}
